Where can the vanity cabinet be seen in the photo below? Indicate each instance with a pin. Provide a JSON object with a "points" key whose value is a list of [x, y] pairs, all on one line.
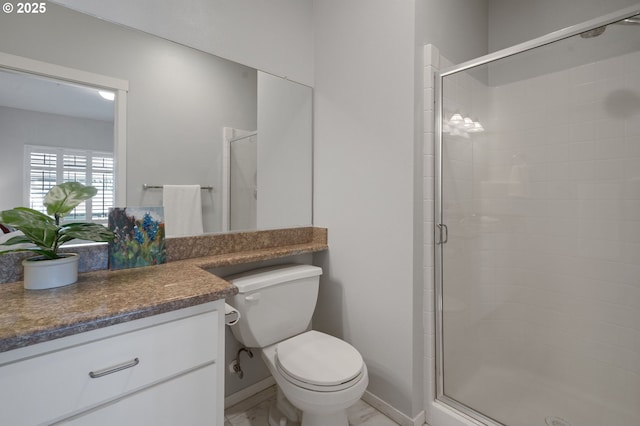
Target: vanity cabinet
{"points": [[165, 369]]}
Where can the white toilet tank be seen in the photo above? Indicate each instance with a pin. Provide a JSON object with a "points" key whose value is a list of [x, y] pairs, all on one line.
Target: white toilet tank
{"points": [[275, 303]]}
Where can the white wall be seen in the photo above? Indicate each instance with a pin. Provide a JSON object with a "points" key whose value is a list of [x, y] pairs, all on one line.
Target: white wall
{"points": [[20, 128], [364, 188], [512, 22], [273, 36]]}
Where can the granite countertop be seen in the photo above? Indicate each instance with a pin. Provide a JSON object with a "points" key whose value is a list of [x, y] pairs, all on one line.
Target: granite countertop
{"points": [[103, 298]]}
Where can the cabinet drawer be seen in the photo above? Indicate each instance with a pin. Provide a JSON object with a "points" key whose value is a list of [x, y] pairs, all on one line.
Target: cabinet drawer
{"points": [[185, 400], [46, 387]]}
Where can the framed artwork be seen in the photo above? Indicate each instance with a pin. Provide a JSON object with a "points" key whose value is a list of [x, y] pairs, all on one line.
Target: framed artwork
{"points": [[139, 237]]}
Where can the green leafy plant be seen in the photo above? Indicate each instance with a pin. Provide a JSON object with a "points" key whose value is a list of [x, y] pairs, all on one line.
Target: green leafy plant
{"points": [[46, 232]]}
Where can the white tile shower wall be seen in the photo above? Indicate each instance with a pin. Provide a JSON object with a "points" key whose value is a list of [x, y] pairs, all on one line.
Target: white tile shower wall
{"points": [[558, 184]]}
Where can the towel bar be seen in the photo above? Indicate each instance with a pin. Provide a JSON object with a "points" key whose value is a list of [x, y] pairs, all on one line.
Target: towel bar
{"points": [[146, 186]]}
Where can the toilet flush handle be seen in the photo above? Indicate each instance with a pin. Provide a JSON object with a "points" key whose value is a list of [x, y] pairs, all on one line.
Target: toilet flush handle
{"points": [[255, 297]]}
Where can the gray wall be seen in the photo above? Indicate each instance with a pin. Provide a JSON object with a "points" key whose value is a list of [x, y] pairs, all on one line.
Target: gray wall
{"points": [[20, 128], [458, 28], [368, 124], [178, 103], [366, 54]]}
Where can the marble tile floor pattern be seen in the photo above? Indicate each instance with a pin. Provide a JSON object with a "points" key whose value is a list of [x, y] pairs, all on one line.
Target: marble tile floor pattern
{"points": [[254, 411]]}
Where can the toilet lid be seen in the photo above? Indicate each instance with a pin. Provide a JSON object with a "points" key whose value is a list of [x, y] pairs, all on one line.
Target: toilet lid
{"points": [[319, 359]]}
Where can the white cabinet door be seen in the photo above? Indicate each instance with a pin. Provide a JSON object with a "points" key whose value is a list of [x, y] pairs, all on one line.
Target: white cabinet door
{"points": [[188, 400]]}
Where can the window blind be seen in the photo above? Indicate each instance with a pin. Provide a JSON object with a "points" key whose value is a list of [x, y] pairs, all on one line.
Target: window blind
{"points": [[48, 166]]}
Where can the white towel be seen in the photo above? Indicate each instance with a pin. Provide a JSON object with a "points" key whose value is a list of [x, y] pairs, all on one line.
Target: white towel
{"points": [[182, 210]]}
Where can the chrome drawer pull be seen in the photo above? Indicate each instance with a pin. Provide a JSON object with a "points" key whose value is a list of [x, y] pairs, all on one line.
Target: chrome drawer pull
{"points": [[115, 368]]}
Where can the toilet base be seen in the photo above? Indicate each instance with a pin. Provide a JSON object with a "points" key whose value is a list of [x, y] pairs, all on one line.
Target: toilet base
{"points": [[282, 412], [276, 418]]}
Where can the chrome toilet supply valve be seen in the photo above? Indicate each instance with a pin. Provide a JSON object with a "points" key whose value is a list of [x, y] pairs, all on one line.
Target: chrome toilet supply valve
{"points": [[234, 367]]}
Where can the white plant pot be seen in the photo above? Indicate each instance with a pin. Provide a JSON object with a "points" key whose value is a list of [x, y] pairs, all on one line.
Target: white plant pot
{"points": [[50, 273]]}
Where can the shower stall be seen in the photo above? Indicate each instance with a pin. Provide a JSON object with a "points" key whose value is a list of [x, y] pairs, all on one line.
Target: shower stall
{"points": [[239, 188], [243, 182], [537, 214]]}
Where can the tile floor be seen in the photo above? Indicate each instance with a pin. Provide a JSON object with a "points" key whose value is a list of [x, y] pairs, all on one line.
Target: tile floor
{"points": [[254, 411]]}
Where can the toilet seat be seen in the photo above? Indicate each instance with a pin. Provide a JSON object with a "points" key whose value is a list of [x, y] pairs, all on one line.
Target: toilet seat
{"points": [[319, 362]]}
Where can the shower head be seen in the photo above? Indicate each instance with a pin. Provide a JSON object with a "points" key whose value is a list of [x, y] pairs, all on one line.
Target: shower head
{"points": [[593, 33], [633, 20]]}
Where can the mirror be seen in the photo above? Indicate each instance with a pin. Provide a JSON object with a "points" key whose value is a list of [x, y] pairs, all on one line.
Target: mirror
{"points": [[183, 107]]}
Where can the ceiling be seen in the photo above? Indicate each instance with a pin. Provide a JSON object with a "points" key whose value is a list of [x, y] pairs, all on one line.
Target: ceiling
{"points": [[40, 94]]}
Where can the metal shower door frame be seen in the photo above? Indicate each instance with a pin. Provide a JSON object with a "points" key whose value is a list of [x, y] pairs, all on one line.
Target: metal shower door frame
{"points": [[441, 230]]}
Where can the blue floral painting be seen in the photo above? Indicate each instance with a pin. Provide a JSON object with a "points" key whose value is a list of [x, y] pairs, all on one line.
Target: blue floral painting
{"points": [[139, 237]]}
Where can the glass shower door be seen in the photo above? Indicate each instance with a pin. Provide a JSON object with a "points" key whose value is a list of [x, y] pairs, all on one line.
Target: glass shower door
{"points": [[243, 183], [540, 278]]}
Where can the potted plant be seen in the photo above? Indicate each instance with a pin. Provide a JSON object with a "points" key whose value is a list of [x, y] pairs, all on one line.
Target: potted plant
{"points": [[46, 234]]}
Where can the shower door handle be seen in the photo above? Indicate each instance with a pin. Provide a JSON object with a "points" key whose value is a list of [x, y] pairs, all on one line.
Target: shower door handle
{"points": [[444, 233]]}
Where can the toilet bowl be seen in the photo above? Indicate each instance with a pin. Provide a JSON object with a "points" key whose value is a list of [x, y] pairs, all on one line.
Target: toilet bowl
{"points": [[318, 374]]}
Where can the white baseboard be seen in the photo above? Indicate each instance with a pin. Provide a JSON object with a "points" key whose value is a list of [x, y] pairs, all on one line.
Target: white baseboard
{"points": [[391, 412], [249, 391]]}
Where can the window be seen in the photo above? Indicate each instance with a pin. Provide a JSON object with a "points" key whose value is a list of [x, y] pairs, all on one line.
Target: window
{"points": [[48, 166]]}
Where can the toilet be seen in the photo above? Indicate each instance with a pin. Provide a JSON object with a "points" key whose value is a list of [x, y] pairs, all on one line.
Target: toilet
{"points": [[317, 375]]}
